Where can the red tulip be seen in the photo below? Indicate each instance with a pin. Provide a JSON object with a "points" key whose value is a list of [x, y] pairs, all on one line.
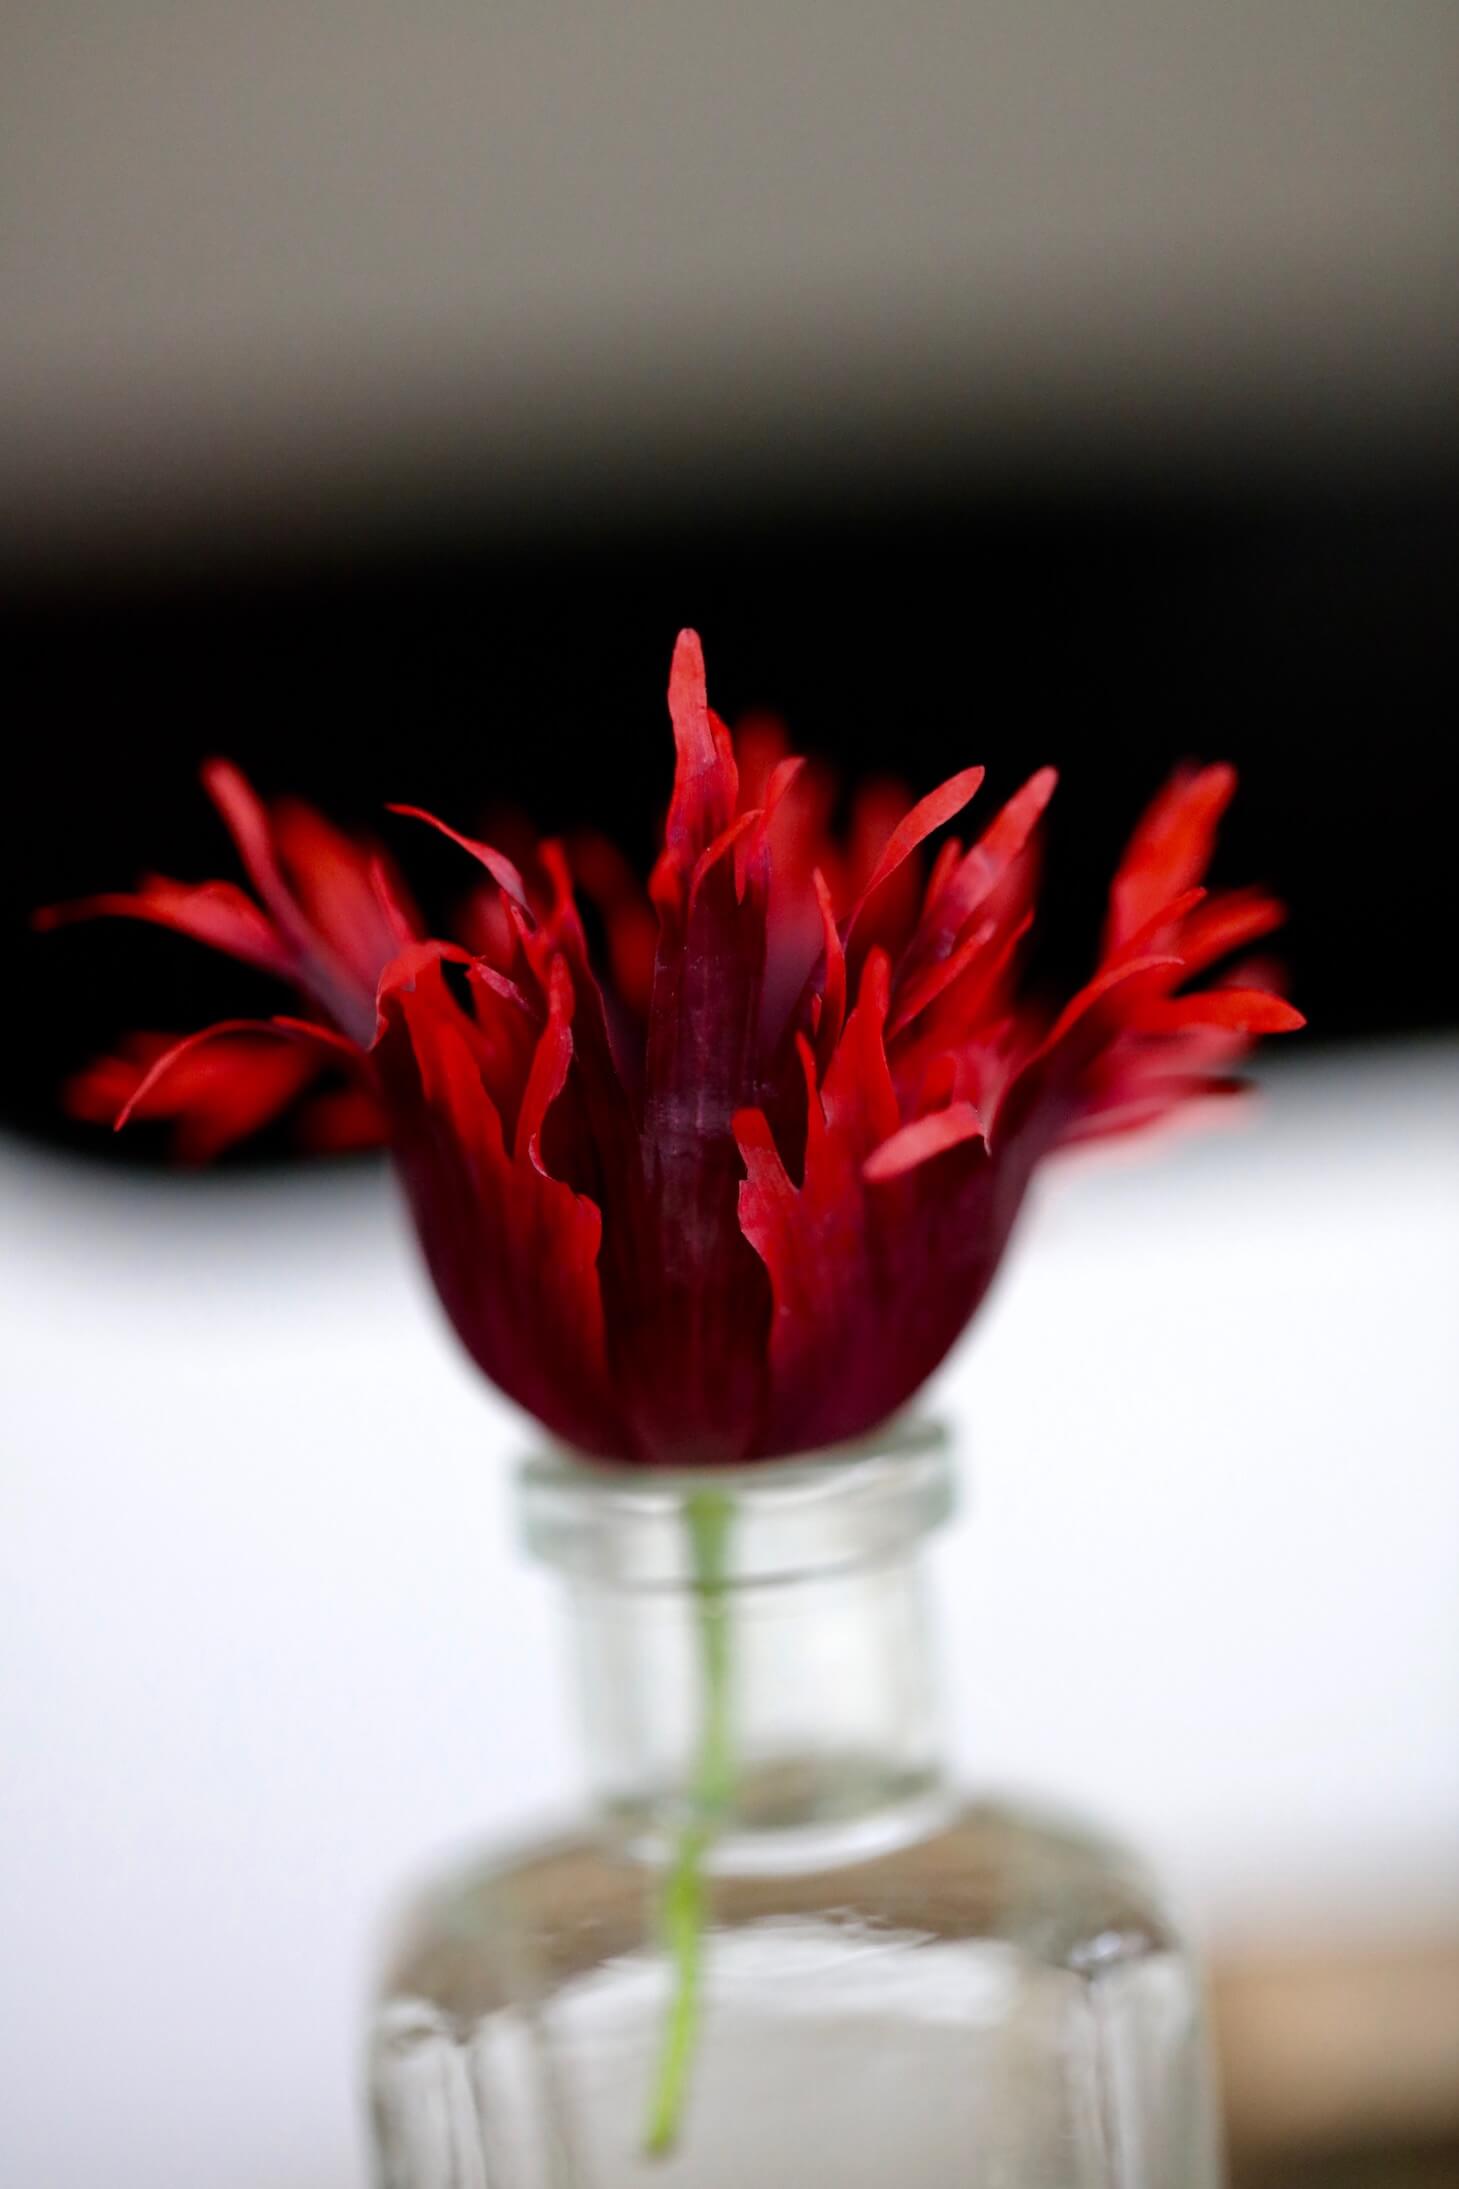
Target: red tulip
{"points": [[735, 1191]]}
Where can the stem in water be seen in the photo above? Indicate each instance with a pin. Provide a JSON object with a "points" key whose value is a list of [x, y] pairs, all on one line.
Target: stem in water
{"points": [[682, 1900]]}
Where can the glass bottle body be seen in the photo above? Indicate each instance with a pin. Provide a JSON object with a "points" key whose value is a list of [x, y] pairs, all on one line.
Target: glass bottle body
{"points": [[890, 1985]]}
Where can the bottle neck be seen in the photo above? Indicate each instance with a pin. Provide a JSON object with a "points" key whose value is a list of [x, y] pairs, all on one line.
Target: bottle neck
{"points": [[753, 1649]]}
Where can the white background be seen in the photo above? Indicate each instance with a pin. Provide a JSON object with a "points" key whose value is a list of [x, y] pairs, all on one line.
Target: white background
{"points": [[268, 1647]]}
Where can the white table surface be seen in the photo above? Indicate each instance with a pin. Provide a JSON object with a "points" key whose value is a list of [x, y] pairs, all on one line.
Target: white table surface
{"points": [[268, 1646]]}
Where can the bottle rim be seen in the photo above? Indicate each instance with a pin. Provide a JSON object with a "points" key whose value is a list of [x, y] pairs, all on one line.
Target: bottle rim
{"points": [[629, 1527]]}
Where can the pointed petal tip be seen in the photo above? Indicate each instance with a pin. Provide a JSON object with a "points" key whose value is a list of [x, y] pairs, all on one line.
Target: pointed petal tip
{"points": [[1245, 1011], [930, 813], [1249, 1010], [875, 991], [706, 781], [502, 870], [687, 684], [751, 1129], [228, 786]]}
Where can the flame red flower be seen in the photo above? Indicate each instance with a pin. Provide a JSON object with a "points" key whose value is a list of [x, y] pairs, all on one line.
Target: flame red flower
{"points": [[736, 1192]]}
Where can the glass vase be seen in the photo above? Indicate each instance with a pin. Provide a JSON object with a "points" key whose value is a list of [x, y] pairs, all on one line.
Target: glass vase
{"points": [[779, 1947]]}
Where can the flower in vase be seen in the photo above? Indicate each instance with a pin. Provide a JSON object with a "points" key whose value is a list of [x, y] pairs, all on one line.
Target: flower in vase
{"points": [[729, 1186]]}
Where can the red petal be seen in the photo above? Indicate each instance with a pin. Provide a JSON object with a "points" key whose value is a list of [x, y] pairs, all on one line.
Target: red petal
{"points": [[549, 1066], [742, 830], [394, 901], [248, 824], [871, 1277], [949, 858], [215, 913], [1132, 974], [609, 883], [1244, 1010], [857, 1094], [921, 1141], [343, 981], [985, 945], [497, 864], [508, 1028], [1226, 923], [1163, 932], [217, 1095], [760, 745], [344, 1121], [833, 979], [344, 891], [782, 778], [706, 783], [1153, 1104], [1169, 851], [928, 814], [967, 887], [326, 1045], [878, 808], [514, 1251]]}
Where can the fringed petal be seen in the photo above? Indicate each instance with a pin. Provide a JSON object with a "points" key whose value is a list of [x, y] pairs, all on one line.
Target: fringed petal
{"points": [[707, 1211]]}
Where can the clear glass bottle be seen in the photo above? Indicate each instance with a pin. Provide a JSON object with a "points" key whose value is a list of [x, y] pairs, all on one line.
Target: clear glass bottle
{"points": [[892, 1986]]}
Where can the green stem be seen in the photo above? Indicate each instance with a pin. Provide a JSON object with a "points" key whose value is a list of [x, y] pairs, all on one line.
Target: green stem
{"points": [[682, 1901]]}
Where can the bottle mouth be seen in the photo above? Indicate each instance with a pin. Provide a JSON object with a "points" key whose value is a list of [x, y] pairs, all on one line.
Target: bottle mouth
{"points": [[628, 1527]]}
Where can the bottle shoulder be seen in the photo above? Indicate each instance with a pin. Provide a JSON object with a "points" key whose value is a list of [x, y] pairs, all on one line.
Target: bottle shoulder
{"points": [[1048, 1890]]}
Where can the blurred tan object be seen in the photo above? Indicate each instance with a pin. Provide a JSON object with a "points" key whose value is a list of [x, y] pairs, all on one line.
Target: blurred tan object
{"points": [[1352, 2052], [1436, 2169]]}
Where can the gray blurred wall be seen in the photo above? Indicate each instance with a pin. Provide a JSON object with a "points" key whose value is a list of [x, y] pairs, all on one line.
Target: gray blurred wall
{"points": [[288, 262]]}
